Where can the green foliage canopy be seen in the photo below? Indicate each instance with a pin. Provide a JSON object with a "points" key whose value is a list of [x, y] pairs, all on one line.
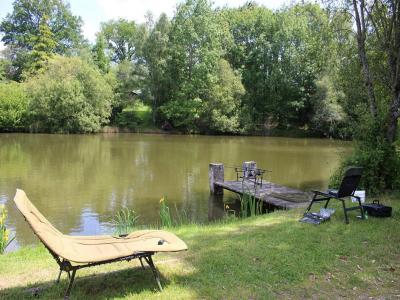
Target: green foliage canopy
{"points": [[21, 28], [13, 106], [99, 56], [70, 96], [120, 36], [280, 57], [35, 30], [155, 52]]}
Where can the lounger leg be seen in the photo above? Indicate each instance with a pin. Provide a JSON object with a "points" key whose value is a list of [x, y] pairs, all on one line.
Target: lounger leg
{"points": [[149, 260], [59, 276], [71, 281], [141, 262], [345, 212]]}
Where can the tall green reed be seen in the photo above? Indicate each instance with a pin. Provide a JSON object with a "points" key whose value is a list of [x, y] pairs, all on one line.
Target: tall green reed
{"points": [[182, 217], [125, 220], [249, 205], [165, 214]]}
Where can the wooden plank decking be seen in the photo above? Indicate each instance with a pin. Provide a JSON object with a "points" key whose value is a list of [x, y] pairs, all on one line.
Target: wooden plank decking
{"points": [[269, 192]]}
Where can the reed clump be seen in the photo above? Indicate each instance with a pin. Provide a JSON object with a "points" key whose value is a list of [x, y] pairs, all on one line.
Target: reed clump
{"points": [[125, 220]]}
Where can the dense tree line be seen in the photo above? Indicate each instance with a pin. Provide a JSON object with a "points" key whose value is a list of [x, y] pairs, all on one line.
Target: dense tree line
{"points": [[330, 70], [205, 70]]}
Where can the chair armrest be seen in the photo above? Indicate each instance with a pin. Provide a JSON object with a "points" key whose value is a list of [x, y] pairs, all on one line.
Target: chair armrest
{"points": [[322, 194]]}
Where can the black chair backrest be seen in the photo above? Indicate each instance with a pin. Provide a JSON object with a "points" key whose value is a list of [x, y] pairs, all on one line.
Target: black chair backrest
{"points": [[350, 182]]}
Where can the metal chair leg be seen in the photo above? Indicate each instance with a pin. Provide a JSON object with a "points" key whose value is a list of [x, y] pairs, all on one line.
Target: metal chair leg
{"points": [[71, 281], [345, 212], [149, 260], [361, 209], [327, 202]]}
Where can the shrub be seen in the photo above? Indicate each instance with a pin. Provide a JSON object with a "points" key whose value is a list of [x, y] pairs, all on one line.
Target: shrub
{"points": [[126, 118], [13, 106], [379, 159], [183, 114], [70, 96]]}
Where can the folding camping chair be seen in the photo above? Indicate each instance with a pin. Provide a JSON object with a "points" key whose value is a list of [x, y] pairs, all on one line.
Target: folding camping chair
{"points": [[346, 190]]}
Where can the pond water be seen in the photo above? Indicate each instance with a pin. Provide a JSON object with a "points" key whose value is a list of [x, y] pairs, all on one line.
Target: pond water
{"points": [[80, 181]]}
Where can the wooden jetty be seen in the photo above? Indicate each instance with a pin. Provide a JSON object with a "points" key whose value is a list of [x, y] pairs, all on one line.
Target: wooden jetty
{"points": [[271, 193]]}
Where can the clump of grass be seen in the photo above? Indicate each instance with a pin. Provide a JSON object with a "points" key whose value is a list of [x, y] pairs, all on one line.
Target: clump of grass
{"points": [[4, 232], [182, 217], [125, 220], [165, 214]]}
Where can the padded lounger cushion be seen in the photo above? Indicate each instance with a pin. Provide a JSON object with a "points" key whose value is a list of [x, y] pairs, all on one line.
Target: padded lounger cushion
{"points": [[88, 249]]}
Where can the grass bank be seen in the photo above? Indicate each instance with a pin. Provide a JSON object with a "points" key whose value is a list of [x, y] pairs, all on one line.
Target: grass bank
{"points": [[264, 257]]}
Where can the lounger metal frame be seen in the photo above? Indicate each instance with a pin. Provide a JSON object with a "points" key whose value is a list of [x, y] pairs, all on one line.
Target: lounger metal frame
{"points": [[71, 269]]}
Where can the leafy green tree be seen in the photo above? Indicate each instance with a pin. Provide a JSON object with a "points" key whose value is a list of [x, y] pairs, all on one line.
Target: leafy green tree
{"points": [[99, 56], [155, 52], [13, 106], [194, 51], [124, 42], [70, 96], [279, 55], [21, 28], [222, 114], [43, 48], [41, 26], [120, 36], [328, 114], [17, 61], [4, 69], [377, 35], [128, 80]]}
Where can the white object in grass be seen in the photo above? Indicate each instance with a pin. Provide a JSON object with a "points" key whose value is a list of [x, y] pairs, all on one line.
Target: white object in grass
{"points": [[360, 194]]}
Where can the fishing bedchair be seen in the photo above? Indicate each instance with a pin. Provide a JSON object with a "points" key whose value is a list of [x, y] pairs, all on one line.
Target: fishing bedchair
{"points": [[76, 252], [346, 190]]}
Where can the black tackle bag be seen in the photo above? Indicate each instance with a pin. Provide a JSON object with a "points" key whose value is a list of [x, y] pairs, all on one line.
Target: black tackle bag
{"points": [[375, 209]]}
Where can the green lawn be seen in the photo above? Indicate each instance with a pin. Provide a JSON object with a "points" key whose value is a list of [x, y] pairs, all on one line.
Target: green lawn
{"points": [[141, 116], [270, 256]]}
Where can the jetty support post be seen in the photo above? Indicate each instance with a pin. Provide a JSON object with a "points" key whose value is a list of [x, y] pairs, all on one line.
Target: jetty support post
{"points": [[216, 174]]}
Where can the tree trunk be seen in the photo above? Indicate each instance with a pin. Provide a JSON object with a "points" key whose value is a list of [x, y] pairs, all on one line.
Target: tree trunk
{"points": [[154, 109], [393, 116], [361, 34], [394, 65]]}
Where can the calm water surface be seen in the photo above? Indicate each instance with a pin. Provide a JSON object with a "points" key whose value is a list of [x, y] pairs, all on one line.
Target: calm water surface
{"points": [[79, 181]]}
